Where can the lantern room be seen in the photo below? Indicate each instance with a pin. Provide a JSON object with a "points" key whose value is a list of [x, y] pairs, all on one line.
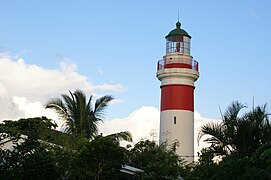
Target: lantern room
{"points": [[178, 41]]}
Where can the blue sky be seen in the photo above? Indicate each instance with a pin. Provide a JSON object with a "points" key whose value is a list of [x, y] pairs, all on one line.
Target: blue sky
{"points": [[120, 42]]}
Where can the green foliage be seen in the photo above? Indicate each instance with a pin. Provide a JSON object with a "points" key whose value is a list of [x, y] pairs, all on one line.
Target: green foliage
{"points": [[238, 135], [244, 167], [257, 166], [156, 161], [36, 128], [37, 156], [201, 172], [33, 155], [243, 140], [262, 159], [206, 156], [33, 160], [102, 158], [30, 127], [232, 167]]}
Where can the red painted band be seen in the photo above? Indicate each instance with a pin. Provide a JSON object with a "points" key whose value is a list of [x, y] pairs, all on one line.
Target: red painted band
{"points": [[178, 65], [177, 97]]}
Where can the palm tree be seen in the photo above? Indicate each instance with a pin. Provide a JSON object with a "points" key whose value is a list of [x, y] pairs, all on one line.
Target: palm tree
{"points": [[239, 135], [81, 119], [253, 131]]}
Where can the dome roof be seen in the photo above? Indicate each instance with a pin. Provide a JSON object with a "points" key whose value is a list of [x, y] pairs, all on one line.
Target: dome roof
{"points": [[178, 31]]}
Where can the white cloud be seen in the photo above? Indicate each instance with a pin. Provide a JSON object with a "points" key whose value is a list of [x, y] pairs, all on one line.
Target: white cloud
{"points": [[117, 101], [27, 86], [140, 123], [145, 121], [20, 54], [35, 82], [8, 110], [67, 67], [35, 109], [253, 14], [100, 71], [110, 87]]}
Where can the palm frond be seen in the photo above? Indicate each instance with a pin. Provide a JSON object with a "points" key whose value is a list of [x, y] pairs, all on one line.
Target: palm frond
{"points": [[89, 106], [80, 112], [100, 105], [213, 129], [232, 111], [91, 125], [124, 135], [69, 103], [59, 107], [174, 145], [80, 98]]}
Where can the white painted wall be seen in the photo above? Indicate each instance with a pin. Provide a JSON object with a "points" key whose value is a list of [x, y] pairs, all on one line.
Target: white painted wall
{"points": [[182, 131]]}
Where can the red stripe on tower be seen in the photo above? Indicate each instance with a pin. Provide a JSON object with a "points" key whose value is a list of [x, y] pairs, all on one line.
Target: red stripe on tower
{"points": [[178, 65], [177, 97]]}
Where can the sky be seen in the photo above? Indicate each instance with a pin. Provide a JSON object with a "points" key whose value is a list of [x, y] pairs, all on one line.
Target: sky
{"points": [[112, 47]]}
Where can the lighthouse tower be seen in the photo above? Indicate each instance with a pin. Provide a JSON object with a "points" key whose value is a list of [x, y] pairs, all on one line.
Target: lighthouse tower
{"points": [[177, 72]]}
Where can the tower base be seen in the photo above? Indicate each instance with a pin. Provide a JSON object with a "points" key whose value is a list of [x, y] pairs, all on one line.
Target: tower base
{"points": [[178, 126]]}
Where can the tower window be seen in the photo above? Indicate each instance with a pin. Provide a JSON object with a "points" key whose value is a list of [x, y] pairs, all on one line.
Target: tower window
{"points": [[174, 120]]}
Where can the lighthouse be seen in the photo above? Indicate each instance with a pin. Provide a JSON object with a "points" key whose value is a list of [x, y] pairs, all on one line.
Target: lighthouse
{"points": [[177, 72]]}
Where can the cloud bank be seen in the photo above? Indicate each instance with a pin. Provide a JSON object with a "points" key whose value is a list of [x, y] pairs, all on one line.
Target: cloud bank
{"points": [[24, 88], [141, 123]]}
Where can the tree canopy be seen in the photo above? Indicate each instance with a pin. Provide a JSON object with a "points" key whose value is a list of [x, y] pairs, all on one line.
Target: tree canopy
{"points": [[41, 152], [157, 162], [238, 134]]}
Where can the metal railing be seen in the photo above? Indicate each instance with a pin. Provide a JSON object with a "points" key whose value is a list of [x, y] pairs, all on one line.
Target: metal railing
{"points": [[177, 62]]}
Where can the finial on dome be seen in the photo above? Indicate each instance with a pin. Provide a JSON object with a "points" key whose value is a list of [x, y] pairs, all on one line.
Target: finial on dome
{"points": [[178, 25]]}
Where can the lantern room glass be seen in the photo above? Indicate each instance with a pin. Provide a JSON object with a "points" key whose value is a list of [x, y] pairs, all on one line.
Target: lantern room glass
{"points": [[178, 44]]}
